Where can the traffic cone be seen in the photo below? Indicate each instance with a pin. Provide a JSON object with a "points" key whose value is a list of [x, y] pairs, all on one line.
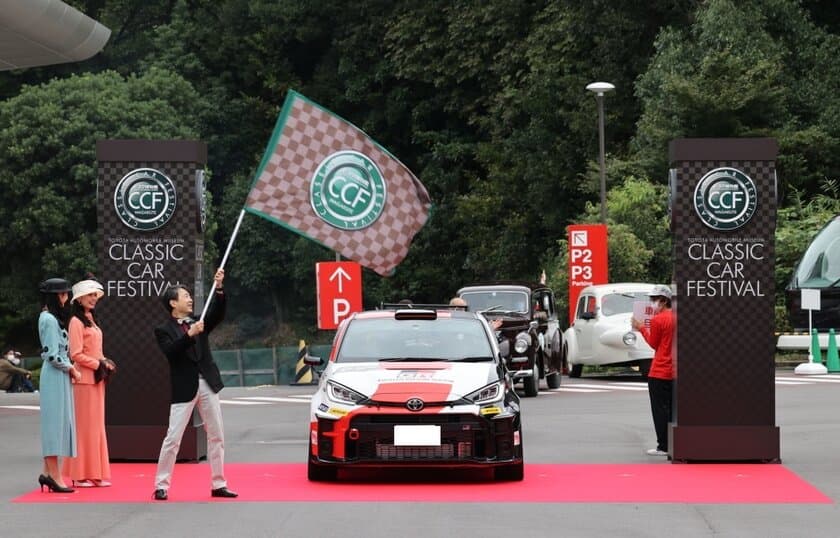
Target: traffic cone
{"points": [[303, 372], [832, 361], [816, 353]]}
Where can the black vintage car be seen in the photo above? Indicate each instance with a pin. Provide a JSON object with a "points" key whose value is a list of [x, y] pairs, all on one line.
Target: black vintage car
{"points": [[529, 325]]}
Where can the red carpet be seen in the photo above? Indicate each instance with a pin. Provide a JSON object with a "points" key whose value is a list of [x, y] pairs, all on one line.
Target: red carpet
{"points": [[560, 483]]}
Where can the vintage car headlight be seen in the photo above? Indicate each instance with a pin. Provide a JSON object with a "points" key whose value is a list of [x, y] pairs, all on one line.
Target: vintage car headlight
{"points": [[522, 343], [486, 394], [629, 339], [340, 393]]}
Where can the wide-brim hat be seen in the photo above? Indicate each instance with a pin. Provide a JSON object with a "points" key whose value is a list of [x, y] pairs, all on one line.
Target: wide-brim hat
{"points": [[660, 290], [86, 287], [54, 285]]}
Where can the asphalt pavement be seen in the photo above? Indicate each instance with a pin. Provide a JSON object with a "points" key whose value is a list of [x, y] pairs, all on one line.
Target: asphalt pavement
{"points": [[589, 420]]}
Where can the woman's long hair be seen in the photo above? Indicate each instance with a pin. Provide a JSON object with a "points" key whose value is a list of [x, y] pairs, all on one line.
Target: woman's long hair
{"points": [[61, 313], [78, 311]]}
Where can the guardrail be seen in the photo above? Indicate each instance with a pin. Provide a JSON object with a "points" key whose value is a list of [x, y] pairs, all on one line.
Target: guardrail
{"points": [[247, 367]]}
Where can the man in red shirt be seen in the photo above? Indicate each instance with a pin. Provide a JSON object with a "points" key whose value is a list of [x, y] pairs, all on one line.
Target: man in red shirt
{"points": [[660, 336]]}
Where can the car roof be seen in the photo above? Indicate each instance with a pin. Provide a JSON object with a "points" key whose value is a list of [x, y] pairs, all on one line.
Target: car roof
{"points": [[617, 287], [442, 313], [504, 284]]}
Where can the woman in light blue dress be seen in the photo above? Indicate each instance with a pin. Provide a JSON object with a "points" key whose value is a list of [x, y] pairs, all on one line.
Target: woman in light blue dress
{"points": [[58, 425]]}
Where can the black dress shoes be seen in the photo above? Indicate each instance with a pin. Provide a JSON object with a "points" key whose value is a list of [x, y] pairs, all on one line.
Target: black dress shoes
{"points": [[160, 495], [223, 492]]}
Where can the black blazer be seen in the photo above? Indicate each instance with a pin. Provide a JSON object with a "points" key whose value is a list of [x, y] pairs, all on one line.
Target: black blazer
{"points": [[190, 356]]}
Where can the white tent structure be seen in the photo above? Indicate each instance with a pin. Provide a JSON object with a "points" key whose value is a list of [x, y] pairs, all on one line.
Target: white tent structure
{"points": [[45, 32]]}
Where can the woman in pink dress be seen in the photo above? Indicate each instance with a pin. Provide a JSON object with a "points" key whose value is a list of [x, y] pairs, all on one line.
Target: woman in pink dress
{"points": [[90, 468]]}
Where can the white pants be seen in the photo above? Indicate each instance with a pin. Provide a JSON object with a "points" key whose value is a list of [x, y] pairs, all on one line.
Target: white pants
{"points": [[179, 416]]}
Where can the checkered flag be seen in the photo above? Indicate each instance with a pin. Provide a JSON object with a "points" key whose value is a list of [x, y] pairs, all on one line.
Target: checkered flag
{"points": [[325, 179]]}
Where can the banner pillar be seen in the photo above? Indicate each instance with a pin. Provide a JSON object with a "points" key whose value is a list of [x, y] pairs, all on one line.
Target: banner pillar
{"points": [[150, 200], [723, 220]]}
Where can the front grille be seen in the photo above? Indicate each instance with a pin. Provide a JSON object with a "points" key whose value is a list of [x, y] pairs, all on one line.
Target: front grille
{"points": [[391, 452], [462, 438]]}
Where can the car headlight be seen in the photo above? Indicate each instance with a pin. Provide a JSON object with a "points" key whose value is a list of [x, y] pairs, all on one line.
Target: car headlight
{"points": [[522, 343], [340, 393], [486, 394], [629, 339]]}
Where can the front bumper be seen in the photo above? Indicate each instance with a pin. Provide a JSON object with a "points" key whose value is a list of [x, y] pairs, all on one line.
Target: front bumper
{"points": [[465, 440]]}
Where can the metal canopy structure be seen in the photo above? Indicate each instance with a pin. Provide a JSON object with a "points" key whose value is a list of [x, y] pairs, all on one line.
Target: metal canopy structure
{"points": [[45, 32]]}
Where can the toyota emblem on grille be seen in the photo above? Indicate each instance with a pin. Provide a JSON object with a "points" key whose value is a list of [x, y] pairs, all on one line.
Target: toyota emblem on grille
{"points": [[414, 404]]}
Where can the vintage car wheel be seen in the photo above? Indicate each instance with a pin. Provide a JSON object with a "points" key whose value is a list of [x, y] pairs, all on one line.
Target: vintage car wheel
{"points": [[576, 370], [553, 380], [532, 384], [514, 472]]}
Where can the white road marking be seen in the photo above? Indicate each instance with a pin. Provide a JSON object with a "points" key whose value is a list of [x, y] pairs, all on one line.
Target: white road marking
{"points": [[792, 382], [609, 387], [235, 402], [271, 399], [813, 378], [574, 389]]}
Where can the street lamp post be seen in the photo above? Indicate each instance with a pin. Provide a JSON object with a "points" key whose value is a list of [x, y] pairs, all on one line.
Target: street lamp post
{"points": [[600, 88]]}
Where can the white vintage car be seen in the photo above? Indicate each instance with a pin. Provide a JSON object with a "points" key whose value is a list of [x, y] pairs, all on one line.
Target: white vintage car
{"points": [[601, 334]]}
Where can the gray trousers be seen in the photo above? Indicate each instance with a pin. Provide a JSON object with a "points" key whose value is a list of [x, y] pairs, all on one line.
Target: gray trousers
{"points": [[179, 416]]}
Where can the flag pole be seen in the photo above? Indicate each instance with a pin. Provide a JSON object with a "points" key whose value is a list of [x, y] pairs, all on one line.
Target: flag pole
{"points": [[224, 260]]}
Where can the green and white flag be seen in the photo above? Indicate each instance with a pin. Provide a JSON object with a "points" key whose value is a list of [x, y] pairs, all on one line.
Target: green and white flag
{"points": [[325, 179]]}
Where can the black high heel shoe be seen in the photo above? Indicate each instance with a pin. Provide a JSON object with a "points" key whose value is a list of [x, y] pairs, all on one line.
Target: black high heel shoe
{"points": [[52, 485]]}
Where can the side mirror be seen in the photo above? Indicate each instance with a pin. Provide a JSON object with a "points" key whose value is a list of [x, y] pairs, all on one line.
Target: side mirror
{"points": [[309, 360]]}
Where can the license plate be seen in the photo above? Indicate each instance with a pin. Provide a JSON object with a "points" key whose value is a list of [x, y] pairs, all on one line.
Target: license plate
{"points": [[414, 435]]}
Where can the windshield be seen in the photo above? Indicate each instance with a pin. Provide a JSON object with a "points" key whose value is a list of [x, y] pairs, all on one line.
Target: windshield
{"points": [[506, 301], [621, 303], [442, 338], [820, 265]]}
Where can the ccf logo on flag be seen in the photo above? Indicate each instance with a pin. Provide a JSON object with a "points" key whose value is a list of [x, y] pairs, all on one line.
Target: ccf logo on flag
{"points": [[324, 178]]}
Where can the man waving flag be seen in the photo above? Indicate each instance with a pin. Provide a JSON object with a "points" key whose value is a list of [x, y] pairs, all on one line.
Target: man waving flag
{"points": [[325, 179]]}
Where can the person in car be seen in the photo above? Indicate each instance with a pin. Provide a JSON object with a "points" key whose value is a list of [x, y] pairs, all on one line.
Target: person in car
{"points": [[461, 304], [660, 336]]}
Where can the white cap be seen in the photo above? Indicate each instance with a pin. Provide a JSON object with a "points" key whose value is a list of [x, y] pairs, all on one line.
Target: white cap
{"points": [[86, 287], [660, 290]]}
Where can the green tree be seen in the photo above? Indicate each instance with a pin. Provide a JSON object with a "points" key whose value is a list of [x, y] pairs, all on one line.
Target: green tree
{"points": [[722, 78], [48, 174]]}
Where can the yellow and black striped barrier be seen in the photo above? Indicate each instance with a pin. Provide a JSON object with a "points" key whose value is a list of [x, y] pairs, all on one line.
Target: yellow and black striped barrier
{"points": [[304, 375]]}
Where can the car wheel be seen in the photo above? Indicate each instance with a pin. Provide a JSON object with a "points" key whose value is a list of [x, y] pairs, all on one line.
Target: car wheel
{"points": [[553, 380], [532, 384], [576, 370], [320, 473], [514, 472]]}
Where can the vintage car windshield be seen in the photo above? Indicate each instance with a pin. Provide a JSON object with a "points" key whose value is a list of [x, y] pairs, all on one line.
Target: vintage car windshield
{"points": [[621, 303], [820, 265], [437, 339], [509, 301]]}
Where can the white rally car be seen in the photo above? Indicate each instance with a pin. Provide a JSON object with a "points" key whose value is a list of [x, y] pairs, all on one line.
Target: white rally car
{"points": [[414, 387]]}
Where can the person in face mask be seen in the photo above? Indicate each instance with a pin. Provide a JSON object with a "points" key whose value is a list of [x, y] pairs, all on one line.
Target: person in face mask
{"points": [[660, 336], [13, 378]]}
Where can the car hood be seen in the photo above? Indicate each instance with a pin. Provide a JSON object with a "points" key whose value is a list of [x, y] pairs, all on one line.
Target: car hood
{"points": [[398, 381]]}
